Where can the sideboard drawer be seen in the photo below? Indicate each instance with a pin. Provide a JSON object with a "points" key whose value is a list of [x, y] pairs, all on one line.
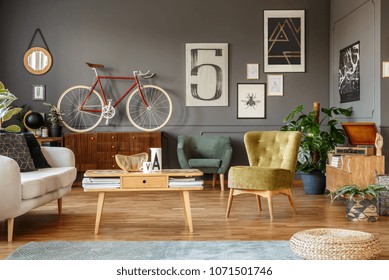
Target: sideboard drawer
{"points": [[137, 182]]}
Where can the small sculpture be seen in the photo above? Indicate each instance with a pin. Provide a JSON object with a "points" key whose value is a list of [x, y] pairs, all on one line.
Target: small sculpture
{"points": [[379, 142]]}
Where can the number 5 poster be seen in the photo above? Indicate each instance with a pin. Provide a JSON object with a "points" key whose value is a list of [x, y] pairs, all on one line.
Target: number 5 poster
{"points": [[206, 74]]}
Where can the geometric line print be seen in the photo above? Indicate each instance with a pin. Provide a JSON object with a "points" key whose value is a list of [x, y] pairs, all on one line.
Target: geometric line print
{"points": [[284, 43]]}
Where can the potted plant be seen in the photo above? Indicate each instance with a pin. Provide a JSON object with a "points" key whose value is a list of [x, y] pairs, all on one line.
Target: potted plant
{"points": [[319, 138], [361, 203], [6, 110], [55, 127]]}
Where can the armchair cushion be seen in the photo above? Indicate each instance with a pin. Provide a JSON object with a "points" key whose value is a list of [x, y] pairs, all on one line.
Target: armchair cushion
{"points": [[35, 151], [259, 178], [15, 146], [206, 163]]}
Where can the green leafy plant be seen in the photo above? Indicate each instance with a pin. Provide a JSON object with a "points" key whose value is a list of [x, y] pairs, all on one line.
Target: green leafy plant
{"points": [[319, 137], [6, 110], [55, 115], [354, 192]]}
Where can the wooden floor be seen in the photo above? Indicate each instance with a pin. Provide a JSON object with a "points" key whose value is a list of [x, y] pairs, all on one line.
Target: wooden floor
{"points": [[158, 216]]}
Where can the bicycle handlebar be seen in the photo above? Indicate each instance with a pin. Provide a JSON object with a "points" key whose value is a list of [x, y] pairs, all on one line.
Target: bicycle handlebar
{"points": [[146, 75]]}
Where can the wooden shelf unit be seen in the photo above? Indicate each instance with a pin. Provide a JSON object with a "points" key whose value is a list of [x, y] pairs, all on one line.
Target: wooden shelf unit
{"points": [[354, 169]]}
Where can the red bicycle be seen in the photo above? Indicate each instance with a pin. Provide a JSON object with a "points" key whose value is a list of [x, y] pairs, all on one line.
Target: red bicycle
{"points": [[82, 108]]}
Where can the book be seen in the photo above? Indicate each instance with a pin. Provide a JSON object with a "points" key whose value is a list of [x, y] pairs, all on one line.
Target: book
{"points": [[101, 183], [189, 179], [195, 183]]}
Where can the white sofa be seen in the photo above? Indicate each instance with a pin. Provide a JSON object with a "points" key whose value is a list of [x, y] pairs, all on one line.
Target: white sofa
{"points": [[21, 192]]}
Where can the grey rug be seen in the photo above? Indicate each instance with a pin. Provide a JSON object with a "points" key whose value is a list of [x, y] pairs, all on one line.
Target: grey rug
{"points": [[155, 250]]}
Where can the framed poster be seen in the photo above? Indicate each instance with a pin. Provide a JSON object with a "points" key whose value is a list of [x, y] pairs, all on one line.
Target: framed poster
{"points": [[252, 71], [207, 74], [275, 85], [284, 41], [38, 92], [349, 73], [251, 101]]}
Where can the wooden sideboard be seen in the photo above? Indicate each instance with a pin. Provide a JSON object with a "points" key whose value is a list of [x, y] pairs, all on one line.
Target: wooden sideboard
{"points": [[358, 170], [98, 150]]}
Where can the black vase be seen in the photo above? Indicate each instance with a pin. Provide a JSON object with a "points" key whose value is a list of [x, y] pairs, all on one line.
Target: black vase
{"points": [[55, 131], [314, 182]]}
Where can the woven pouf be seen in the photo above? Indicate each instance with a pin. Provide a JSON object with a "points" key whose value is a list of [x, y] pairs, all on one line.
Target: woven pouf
{"points": [[335, 244]]}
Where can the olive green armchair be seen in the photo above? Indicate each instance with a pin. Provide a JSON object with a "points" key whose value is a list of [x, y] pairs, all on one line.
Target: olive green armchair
{"points": [[272, 157], [210, 154]]}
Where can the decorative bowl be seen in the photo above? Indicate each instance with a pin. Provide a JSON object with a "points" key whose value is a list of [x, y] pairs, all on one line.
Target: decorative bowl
{"points": [[131, 163]]}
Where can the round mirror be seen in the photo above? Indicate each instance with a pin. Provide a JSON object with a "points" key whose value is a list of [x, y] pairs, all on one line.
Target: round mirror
{"points": [[37, 60]]}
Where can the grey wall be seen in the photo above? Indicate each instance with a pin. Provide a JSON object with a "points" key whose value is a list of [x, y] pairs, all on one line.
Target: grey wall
{"points": [[352, 21], [385, 81], [126, 34]]}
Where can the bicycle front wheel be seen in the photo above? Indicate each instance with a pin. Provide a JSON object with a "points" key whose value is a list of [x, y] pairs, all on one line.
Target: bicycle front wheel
{"points": [[80, 112], [153, 117]]}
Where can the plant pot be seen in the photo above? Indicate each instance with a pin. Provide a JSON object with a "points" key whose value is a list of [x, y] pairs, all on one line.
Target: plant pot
{"points": [[314, 182], [55, 131], [361, 210]]}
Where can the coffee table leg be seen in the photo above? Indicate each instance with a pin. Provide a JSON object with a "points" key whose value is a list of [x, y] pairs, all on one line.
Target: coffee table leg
{"points": [[187, 210], [183, 208], [100, 204]]}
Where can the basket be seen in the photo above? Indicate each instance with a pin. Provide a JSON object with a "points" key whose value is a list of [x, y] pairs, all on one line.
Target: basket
{"points": [[131, 163], [383, 199], [335, 244]]}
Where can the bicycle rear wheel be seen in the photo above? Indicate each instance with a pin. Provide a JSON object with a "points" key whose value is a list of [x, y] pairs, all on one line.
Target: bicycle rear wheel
{"points": [[73, 117], [153, 117]]}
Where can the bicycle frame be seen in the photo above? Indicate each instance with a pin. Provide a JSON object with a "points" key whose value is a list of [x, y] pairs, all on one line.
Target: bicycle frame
{"points": [[98, 82]]}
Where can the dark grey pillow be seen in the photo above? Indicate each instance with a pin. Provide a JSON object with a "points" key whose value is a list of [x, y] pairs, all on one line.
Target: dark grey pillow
{"points": [[14, 146], [35, 151]]}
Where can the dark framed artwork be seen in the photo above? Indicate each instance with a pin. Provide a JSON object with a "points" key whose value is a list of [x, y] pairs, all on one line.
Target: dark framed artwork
{"points": [[207, 74], [251, 101], [284, 41], [349, 73]]}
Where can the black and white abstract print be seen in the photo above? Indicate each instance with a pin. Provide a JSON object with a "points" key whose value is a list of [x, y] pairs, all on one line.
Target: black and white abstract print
{"points": [[349, 73]]}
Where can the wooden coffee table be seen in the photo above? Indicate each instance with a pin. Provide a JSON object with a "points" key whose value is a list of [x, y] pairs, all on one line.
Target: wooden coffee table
{"points": [[156, 181]]}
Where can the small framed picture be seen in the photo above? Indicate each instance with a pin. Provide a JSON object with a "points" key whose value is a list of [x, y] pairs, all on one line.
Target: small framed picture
{"points": [[275, 85], [38, 92], [385, 69], [252, 71], [251, 101]]}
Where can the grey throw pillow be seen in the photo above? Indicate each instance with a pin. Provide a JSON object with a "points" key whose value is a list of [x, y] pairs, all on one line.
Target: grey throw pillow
{"points": [[15, 146]]}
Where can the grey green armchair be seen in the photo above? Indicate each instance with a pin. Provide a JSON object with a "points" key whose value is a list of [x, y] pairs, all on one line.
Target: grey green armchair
{"points": [[272, 157], [210, 154]]}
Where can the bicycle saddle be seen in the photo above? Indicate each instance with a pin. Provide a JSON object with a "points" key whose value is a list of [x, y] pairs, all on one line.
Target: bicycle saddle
{"points": [[92, 65]]}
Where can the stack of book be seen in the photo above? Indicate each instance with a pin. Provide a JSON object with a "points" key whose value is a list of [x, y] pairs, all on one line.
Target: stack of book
{"points": [[101, 183], [336, 161], [185, 182]]}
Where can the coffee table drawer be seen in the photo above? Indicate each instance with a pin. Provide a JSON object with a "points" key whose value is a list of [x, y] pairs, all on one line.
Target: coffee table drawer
{"points": [[137, 182]]}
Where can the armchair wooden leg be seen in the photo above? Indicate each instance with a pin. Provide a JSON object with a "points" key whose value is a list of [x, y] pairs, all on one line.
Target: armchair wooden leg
{"points": [[214, 180], [259, 202], [289, 195], [10, 228], [270, 202], [229, 205], [222, 182], [59, 203]]}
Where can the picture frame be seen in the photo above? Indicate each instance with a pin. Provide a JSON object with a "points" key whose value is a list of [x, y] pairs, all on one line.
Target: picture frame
{"points": [[38, 92], [284, 41], [275, 85], [252, 71], [251, 101], [385, 69], [206, 74]]}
